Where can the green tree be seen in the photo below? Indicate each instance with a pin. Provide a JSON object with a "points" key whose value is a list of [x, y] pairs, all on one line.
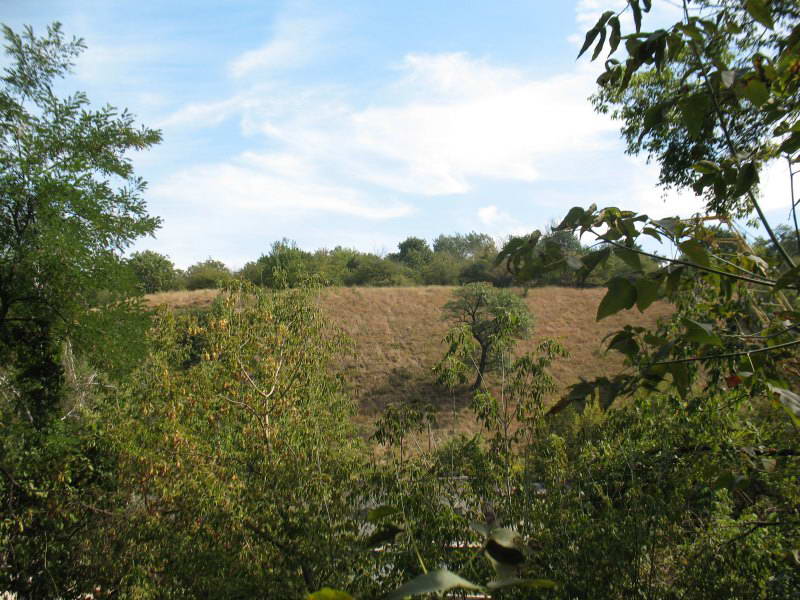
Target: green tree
{"points": [[237, 455], [492, 318], [413, 252], [154, 272], [285, 266], [466, 246], [208, 274], [70, 204]]}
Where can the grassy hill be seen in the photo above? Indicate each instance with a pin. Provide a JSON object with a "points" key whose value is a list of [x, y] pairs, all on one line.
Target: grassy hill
{"points": [[398, 335]]}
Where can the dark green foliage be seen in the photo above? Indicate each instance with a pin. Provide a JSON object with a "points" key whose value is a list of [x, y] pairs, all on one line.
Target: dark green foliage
{"points": [[154, 272], [413, 252], [208, 274], [69, 205], [466, 246]]}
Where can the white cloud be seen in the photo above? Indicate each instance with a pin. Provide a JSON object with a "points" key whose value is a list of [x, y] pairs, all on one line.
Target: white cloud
{"points": [[249, 187], [295, 43], [446, 122], [500, 224]]}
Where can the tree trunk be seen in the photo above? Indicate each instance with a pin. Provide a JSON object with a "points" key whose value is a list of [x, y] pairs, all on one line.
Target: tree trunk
{"points": [[481, 368]]}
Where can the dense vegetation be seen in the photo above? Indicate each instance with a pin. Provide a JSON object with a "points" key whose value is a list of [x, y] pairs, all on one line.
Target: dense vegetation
{"points": [[211, 454], [453, 260]]}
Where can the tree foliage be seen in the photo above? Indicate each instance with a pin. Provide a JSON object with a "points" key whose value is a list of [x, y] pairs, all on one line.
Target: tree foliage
{"points": [[486, 322], [154, 272]]}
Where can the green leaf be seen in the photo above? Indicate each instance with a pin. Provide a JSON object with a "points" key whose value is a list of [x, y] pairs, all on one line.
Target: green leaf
{"points": [[573, 217], [629, 257], [647, 292], [791, 144], [706, 167], [653, 117], [701, 333], [759, 10], [593, 259], [621, 295], [380, 512], [696, 252], [434, 582], [616, 35], [652, 233], [674, 280], [755, 91], [599, 47], [694, 110], [329, 594], [590, 37], [680, 377], [637, 14], [746, 178]]}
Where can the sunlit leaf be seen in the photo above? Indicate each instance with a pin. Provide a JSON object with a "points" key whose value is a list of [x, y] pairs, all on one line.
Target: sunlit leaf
{"points": [[755, 91], [434, 582], [329, 594]]}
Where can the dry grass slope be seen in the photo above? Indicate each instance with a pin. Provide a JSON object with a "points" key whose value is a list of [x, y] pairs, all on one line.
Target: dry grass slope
{"points": [[398, 335]]}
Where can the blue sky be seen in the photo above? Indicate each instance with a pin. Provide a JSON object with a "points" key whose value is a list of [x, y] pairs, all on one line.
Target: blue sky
{"points": [[355, 123]]}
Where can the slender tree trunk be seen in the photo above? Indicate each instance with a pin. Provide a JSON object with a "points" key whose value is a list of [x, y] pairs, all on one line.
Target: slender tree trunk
{"points": [[481, 368]]}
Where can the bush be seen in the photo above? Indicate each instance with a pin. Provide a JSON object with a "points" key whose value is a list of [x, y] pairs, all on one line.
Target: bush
{"points": [[208, 274], [154, 272]]}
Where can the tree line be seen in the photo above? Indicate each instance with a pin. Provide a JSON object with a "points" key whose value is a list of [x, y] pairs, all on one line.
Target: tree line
{"points": [[454, 259]]}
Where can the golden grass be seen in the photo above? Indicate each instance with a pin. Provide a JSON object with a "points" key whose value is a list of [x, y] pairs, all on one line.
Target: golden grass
{"points": [[182, 299], [398, 335]]}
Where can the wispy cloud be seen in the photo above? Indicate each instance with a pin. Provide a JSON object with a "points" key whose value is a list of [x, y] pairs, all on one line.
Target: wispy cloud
{"points": [[295, 43], [252, 186]]}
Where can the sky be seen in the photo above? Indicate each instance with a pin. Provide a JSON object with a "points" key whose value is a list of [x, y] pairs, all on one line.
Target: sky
{"points": [[358, 122]]}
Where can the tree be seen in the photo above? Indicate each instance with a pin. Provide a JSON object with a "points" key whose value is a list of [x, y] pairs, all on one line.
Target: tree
{"points": [[413, 252], [466, 246], [713, 98], [493, 318], [154, 272], [237, 437], [208, 274], [70, 204], [738, 64]]}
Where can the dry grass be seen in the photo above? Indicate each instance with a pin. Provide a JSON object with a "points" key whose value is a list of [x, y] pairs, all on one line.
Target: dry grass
{"points": [[182, 299], [398, 335]]}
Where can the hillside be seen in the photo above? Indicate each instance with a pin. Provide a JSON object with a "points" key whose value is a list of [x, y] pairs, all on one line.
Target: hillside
{"points": [[398, 335]]}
